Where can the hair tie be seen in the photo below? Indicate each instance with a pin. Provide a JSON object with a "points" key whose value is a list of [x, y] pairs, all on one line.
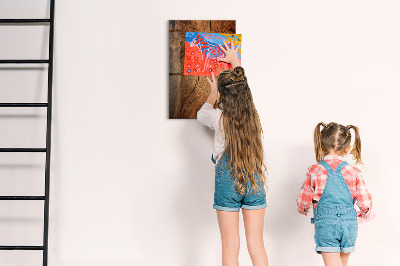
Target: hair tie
{"points": [[348, 130], [234, 84], [236, 78], [237, 74]]}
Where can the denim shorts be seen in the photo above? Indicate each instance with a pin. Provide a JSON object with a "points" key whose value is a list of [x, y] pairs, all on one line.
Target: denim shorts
{"points": [[335, 232], [226, 195]]}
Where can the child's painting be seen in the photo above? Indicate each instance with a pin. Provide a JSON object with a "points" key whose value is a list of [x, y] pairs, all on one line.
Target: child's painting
{"points": [[202, 51], [187, 93]]}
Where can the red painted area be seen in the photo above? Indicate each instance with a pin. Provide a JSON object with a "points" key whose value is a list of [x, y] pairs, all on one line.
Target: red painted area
{"points": [[198, 64]]}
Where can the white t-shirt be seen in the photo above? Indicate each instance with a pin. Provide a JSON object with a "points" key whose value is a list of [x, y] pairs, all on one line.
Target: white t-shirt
{"points": [[210, 117]]}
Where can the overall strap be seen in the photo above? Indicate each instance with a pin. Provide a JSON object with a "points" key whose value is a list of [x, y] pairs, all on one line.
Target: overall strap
{"points": [[326, 166], [336, 197], [340, 166]]}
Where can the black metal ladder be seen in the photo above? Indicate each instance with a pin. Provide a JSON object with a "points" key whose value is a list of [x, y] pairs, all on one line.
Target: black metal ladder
{"points": [[47, 105]]}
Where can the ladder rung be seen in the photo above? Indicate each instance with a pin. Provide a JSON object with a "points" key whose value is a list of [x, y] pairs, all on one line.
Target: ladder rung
{"points": [[21, 247], [22, 197], [34, 20], [24, 61], [23, 104], [22, 149]]}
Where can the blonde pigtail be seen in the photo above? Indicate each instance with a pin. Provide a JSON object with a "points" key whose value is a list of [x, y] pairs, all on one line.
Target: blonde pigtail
{"points": [[356, 151], [319, 153]]}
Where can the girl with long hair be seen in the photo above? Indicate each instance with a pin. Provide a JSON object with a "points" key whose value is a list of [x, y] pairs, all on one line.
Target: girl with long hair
{"points": [[240, 172]]}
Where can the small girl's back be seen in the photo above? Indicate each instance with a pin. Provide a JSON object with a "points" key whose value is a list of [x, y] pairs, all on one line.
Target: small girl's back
{"points": [[335, 218], [332, 187], [317, 174]]}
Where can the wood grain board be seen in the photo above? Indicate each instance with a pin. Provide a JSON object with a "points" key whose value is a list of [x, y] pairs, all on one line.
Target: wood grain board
{"points": [[188, 93]]}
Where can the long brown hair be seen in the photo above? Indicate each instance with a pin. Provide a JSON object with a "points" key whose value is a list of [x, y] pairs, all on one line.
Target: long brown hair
{"points": [[242, 129], [336, 137]]}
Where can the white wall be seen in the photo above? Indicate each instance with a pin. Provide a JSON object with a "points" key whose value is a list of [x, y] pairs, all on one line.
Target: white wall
{"points": [[130, 187]]}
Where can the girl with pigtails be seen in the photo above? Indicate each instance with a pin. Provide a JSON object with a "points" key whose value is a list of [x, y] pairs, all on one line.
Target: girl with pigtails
{"points": [[333, 186], [238, 155]]}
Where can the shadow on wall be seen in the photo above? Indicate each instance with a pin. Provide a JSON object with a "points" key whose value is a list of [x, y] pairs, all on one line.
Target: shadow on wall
{"points": [[193, 204], [284, 226], [196, 219]]}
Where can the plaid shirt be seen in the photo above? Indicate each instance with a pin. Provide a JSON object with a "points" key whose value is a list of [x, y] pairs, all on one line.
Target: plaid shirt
{"points": [[314, 185]]}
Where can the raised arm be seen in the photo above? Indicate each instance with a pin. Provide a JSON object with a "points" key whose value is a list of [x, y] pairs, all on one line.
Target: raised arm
{"points": [[208, 116], [212, 98], [231, 54]]}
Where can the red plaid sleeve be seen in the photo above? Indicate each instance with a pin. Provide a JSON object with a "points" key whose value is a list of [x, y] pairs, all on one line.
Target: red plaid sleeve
{"points": [[306, 193], [364, 198]]}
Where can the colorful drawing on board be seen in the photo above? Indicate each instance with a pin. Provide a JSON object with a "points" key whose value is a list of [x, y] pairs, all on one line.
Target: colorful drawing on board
{"points": [[202, 51]]}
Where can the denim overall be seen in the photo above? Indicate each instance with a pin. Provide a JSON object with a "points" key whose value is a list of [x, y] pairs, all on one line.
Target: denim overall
{"points": [[335, 217], [226, 195]]}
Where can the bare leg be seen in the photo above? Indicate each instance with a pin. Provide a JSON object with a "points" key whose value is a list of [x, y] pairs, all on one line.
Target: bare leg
{"points": [[345, 258], [254, 227], [229, 228], [332, 259]]}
